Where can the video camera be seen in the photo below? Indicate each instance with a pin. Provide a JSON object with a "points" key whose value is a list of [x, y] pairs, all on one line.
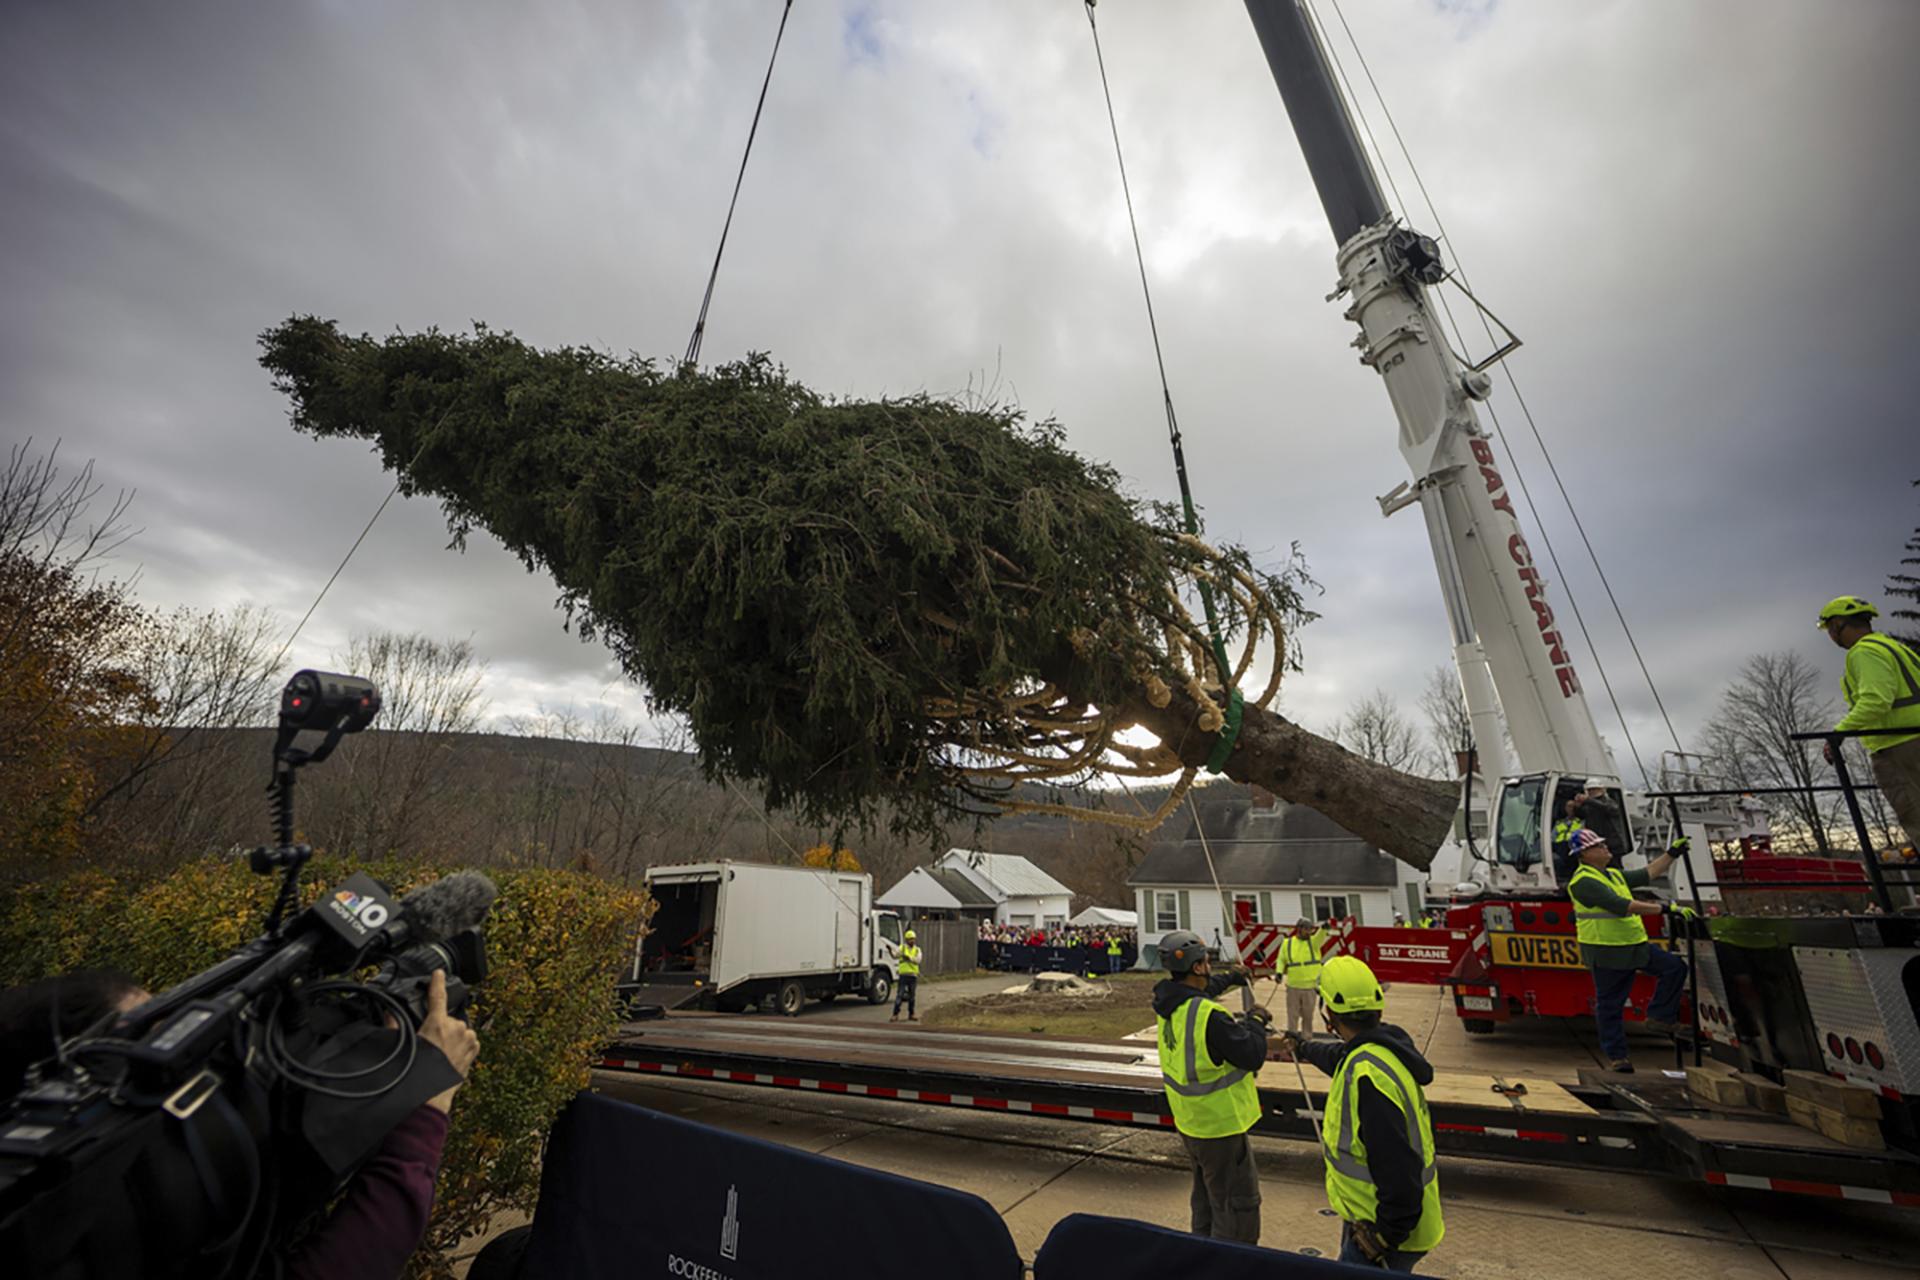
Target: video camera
{"points": [[199, 1134]]}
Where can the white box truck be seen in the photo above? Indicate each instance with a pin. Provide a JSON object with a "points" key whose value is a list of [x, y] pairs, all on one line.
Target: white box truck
{"points": [[727, 935]]}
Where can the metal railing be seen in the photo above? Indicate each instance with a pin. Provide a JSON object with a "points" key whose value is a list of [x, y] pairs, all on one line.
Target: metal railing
{"points": [[1877, 874]]}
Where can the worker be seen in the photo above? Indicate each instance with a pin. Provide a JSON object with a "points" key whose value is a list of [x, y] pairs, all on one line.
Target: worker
{"points": [[1113, 953], [1882, 686], [1209, 1060], [1613, 942], [1376, 1135], [909, 989], [1568, 823], [1300, 970]]}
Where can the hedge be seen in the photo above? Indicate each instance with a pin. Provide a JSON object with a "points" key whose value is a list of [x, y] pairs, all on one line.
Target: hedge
{"points": [[555, 942]]}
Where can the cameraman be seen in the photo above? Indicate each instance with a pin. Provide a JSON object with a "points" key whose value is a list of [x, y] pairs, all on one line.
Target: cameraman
{"points": [[383, 1217], [380, 1220]]}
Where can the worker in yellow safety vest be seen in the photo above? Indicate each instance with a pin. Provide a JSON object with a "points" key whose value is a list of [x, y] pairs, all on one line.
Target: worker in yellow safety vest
{"points": [[1882, 687], [1376, 1136], [1614, 945], [1299, 963], [909, 988], [1113, 953], [1209, 1060]]}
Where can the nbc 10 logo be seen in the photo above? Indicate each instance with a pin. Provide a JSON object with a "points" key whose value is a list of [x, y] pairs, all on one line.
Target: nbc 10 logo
{"points": [[369, 912]]}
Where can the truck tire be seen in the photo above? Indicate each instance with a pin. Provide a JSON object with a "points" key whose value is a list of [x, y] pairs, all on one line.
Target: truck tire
{"points": [[880, 987], [1477, 1026], [829, 995], [792, 997]]}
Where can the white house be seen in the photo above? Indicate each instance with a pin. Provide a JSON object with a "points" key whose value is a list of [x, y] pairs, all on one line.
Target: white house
{"points": [[1276, 862], [1001, 887]]}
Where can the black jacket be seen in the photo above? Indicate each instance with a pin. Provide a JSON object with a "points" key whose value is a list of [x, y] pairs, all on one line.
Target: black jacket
{"points": [[1229, 1039], [1392, 1160]]}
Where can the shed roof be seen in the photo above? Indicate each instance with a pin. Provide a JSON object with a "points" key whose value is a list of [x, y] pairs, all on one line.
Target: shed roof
{"points": [[1016, 876]]}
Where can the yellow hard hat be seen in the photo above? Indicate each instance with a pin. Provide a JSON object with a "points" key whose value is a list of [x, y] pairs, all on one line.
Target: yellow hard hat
{"points": [[910, 933], [1348, 986], [1845, 607]]}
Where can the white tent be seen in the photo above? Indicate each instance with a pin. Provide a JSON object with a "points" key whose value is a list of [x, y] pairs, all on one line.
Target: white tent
{"points": [[1106, 918]]}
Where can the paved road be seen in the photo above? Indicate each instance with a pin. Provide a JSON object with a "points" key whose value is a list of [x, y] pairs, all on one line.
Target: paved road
{"points": [[1503, 1222]]}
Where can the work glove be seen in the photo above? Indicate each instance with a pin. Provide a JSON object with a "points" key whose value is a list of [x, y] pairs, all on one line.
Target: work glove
{"points": [[1260, 1017], [1368, 1241], [1237, 976], [1680, 846]]}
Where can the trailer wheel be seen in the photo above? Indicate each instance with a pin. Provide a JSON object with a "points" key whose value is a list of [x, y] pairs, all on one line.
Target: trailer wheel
{"points": [[792, 997], [880, 987], [1477, 1026]]}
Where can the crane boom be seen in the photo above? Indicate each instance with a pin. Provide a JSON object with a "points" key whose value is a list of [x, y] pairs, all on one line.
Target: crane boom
{"points": [[1505, 632]]}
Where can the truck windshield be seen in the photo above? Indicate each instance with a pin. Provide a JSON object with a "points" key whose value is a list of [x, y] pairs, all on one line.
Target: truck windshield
{"points": [[1518, 841], [890, 928]]}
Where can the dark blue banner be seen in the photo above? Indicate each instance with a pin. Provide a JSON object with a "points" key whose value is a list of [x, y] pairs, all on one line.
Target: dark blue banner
{"points": [[628, 1192], [1018, 957], [1083, 1245]]}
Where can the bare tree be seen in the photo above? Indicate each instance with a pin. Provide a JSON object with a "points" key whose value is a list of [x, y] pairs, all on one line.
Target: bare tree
{"points": [[431, 698], [1448, 728], [1375, 728], [1774, 696], [202, 675]]}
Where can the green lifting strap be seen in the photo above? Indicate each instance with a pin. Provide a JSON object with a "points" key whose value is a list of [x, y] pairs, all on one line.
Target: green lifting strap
{"points": [[1236, 702]]}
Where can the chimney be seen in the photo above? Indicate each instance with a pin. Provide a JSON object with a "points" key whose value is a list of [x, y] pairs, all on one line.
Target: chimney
{"points": [[1263, 798]]}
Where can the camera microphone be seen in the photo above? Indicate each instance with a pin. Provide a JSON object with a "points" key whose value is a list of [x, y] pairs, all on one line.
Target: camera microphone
{"points": [[452, 904]]}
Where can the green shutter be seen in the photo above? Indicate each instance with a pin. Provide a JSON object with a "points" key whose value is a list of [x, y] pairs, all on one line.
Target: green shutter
{"points": [[1266, 907], [1185, 919], [1306, 905], [1353, 905]]}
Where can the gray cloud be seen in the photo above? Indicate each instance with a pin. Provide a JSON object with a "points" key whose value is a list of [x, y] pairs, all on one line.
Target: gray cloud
{"points": [[1695, 215]]}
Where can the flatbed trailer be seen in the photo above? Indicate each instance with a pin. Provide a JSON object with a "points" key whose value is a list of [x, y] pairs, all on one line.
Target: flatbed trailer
{"points": [[1646, 1124]]}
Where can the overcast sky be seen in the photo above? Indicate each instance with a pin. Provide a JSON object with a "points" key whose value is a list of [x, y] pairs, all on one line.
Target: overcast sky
{"points": [[1699, 216]]}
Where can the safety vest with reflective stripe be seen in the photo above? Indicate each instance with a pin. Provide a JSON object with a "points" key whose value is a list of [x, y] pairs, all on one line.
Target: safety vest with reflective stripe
{"points": [[1300, 959], [1350, 1188], [1209, 1099], [1599, 928], [909, 960], [1113, 946], [1903, 699], [1565, 829]]}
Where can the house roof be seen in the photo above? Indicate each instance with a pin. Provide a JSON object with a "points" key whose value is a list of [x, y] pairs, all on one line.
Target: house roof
{"points": [[1015, 876], [918, 889], [939, 888], [965, 891], [1281, 845]]}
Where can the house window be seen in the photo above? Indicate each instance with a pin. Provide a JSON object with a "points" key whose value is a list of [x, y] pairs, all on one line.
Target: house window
{"points": [[1166, 912], [1246, 906], [1025, 921], [1329, 906]]}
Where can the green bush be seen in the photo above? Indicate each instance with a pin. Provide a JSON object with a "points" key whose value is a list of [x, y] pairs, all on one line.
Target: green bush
{"points": [[556, 943]]}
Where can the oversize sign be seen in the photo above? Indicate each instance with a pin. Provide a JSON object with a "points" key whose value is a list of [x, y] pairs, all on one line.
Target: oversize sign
{"points": [[1541, 950]]}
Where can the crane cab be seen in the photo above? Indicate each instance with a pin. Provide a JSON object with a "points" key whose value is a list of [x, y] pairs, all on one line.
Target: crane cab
{"points": [[1526, 856]]}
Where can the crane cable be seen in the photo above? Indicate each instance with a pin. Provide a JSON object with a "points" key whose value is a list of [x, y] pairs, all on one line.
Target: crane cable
{"points": [[1230, 730], [1526, 412], [700, 323]]}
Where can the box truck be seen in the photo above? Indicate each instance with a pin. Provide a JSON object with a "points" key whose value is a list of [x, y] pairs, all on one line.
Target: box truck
{"points": [[729, 935]]}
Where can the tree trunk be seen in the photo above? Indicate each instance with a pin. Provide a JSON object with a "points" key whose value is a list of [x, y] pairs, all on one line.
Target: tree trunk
{"points": [[1405, 816]]}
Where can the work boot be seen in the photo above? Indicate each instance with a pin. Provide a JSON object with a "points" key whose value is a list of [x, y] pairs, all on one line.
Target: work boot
{"points": [[1661, 1027], [1621, 1065], [895, 1017], [913, 1017]]}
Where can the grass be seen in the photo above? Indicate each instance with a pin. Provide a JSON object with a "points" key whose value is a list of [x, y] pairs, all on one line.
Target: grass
{"points": [[1121, 1006]]}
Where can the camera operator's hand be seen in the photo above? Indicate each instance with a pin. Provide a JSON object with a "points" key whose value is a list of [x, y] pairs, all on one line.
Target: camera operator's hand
{"points": [[448, 1034]]}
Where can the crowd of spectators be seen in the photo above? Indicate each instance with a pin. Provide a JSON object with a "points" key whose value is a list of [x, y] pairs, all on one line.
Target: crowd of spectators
{"points": [[1058, 935]]}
